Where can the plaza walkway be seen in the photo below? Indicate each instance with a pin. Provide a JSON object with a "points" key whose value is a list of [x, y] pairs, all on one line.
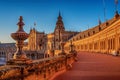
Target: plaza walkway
{"points": [[92, 66]]}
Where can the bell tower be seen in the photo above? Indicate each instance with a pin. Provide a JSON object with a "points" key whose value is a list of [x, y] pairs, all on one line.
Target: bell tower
{"points": [[59, 24], [58, 32]]}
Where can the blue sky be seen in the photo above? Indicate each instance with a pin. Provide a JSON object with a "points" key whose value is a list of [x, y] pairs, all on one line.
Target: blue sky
{"points": [[77, 14]]}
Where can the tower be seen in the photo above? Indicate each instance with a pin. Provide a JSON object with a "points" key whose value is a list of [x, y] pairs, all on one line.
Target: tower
{"points": [[58, 32], [32, 40], [59, 24]]}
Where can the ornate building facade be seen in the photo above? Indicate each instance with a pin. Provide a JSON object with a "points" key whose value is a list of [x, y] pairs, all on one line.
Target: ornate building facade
{"points": [[48, 43], [36, 40], [103, 38]]}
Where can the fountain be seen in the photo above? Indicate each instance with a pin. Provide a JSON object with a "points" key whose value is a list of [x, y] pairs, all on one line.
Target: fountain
{"points": [[19, 36]]}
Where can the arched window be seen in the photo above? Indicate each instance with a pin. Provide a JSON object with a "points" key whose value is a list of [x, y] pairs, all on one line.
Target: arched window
{"points": [[84, 36], [80, 37], [93, 32], [88, 34]]}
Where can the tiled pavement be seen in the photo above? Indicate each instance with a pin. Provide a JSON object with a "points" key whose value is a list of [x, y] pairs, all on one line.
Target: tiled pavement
{"points": [[93, 66]]}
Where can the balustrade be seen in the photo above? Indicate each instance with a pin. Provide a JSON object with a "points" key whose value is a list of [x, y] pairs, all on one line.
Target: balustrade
{"points": [[43, 68]]}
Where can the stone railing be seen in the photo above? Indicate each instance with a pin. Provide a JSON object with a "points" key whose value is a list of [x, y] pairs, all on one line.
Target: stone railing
{"points": [[42, 69]]}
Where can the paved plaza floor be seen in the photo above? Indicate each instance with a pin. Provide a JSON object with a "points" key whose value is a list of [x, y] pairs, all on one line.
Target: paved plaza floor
{"points": [[93, 66]]}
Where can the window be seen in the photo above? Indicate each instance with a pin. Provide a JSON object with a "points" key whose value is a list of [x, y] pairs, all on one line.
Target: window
{"points": [[80, 37], [84, 36], [93, 32], [88, 34]]}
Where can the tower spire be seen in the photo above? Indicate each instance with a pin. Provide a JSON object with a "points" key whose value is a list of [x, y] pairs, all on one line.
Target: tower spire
{"points": [[59, 23], [59, 16], [59, 13], [116, 11], [99, 21]]}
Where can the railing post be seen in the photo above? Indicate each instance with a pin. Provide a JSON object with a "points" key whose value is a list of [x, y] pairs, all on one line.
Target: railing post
{"points": [[22, 73], [66, 61], [44, 72], [36, 72], [45, 75]]}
